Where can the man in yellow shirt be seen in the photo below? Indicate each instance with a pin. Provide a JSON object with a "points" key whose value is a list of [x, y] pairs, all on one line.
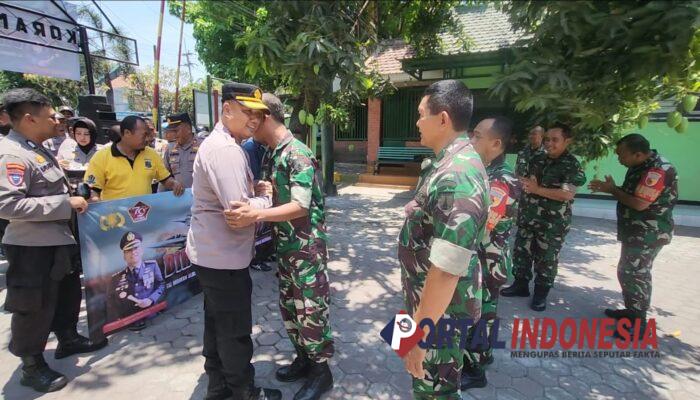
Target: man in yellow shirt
{"points": [[128, 167]]}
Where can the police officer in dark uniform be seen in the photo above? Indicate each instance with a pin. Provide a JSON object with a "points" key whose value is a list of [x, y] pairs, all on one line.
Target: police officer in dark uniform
{"points": [[139, 285], [43, 284]]}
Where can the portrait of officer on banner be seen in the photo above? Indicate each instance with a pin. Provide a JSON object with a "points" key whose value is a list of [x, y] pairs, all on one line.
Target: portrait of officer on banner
{"points": [[140, 284]]}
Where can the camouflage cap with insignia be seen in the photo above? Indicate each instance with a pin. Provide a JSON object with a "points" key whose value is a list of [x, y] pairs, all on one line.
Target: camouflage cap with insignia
{"points": [[249, 96], [130, 240], [173, 121]]}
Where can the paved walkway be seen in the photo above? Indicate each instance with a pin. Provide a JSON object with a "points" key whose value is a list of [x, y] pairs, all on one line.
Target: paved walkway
{"points": [[164, 361]]}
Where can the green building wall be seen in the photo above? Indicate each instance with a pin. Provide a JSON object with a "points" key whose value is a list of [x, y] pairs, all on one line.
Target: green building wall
{"points": [[681, 149]]}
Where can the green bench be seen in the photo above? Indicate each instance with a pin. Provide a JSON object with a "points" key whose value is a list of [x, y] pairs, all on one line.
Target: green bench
{"points": [[401, 155]]}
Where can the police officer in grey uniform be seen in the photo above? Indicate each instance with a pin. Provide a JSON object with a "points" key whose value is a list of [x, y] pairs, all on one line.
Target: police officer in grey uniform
{"points": [[139, 285], [43, 290], [180, 155]]}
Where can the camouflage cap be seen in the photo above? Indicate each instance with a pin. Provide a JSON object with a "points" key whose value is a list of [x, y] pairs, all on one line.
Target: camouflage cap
{"points": [[130, 240]]}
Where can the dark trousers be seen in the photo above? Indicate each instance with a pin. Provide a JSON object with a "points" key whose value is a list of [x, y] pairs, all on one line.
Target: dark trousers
{"points": [[3, 225], [43, 294], [228, 347]]}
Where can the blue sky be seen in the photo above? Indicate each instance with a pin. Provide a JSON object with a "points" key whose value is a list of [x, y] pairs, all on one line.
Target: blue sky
{"points": [[139, 21]]}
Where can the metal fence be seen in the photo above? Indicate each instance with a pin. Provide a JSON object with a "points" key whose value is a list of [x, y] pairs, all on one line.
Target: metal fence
{"points": [[357, 128]]}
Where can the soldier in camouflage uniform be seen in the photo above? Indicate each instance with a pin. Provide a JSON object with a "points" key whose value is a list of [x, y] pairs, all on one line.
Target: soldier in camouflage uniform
{"points": [[531, 149], [491, 137], [545, 216], [299, 233], [644, 219], [444, 223]]}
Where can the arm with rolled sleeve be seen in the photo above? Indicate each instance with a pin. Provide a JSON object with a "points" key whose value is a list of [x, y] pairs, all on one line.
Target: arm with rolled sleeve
{"points": [[457, 210], [573, 178], [16, 205], [228, 175], [301, 179]]}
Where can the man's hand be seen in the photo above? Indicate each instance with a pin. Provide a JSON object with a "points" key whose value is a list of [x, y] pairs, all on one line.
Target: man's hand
{"points": [[530, 185], [144, 303], [78, 204], [178, 188], [413, 361], [606, 186], [263, 188], [240, 215]]}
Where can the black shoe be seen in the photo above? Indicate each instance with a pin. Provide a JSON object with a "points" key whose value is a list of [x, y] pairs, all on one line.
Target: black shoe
{"points": [[319, 382], [486, 360], [70, 342], [261, 267], [642, 316], [539, 298], [37, 375], [472, 380], [618, 314], [298, 369], [519, 288], [137, 326], [256, 393], [221, 392]]}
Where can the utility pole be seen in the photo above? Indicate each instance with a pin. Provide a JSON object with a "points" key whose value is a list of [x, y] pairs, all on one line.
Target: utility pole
{"points": [[188, 64]]}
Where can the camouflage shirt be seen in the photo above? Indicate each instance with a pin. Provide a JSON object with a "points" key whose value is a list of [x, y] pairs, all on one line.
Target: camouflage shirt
{"points": [[444, 224], [655, 181], [504, 193], [524, 157], [296, 176], [539, 212]]}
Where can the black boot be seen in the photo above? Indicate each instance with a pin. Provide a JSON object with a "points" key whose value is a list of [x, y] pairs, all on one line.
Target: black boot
{"points": [[319, 382], [634, 316], [617, 314], [519, 288], [539, 298], [473, 378], [37, 375], [70, 342], [298, 369], [256, 393], [217, 389]]}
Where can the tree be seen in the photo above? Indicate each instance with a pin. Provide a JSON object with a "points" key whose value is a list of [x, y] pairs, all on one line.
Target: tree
{"points": [[141, 97], [111, 46], [602, 66], [300, 47], [59, 91]]}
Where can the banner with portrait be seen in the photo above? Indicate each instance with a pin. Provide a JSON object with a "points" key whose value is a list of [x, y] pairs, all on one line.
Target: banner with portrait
{"points": [[134, 260]]}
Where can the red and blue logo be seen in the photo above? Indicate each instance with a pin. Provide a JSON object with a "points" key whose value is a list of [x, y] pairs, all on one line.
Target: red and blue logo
{"points": [[402, 333]]}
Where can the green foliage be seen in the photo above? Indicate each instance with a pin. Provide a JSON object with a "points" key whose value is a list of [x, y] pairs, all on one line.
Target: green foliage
{"points": [[420, 23], [59, 91], [299, 48], [601, 66], [141, 97]]}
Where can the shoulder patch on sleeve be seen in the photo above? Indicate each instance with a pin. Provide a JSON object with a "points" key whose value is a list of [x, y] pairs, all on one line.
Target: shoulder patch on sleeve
{"points": [[650, 186], [15, 173], [498, 195]]}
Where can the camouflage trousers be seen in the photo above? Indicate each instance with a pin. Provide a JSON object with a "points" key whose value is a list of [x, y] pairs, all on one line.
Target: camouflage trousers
{"points": [[443, 370], [304, 305], [539, 249], [496, 263], [634, 275], [443, 366]]}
